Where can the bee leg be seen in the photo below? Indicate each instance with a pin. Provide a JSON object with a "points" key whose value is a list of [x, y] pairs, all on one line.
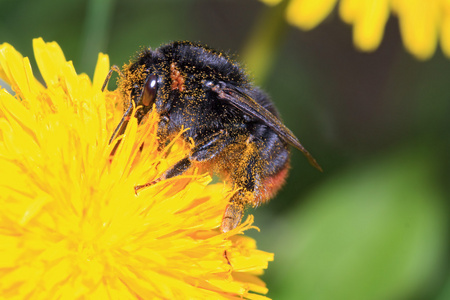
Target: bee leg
{"points": [[232, 215], [179, 168], [244, 178], [203, 151]]}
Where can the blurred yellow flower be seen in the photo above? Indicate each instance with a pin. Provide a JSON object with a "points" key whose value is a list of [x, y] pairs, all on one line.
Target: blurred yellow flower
{"points": [[422, 22], [71, 224]]}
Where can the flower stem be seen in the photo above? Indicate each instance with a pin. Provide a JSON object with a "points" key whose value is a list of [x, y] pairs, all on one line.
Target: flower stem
{"points": [[260, 51], [96, 26]]}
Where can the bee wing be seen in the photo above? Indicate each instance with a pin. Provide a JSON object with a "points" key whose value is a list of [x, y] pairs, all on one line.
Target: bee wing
{"points": [[246, 104]]}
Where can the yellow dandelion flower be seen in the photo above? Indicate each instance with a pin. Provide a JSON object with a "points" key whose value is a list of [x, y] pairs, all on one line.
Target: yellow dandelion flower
{"points": [[423, 23], [71, 225]]}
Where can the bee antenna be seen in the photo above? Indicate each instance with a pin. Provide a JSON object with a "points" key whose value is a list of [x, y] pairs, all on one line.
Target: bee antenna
{"points": [[108, 77], [120, 129]]}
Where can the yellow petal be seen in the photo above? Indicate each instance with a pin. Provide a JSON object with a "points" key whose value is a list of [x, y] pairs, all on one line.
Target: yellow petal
{"points": [[349, 9], [308, 14], [8, 57], [49, 58], [445, 30], [101, 70], [419, 23], [369, 23], [271, 2]]}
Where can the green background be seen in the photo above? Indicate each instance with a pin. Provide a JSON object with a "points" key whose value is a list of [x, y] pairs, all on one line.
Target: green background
{"points": [[374, 224]]}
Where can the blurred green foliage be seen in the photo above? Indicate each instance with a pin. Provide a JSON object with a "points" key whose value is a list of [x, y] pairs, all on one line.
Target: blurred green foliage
{"points": [[374, 224], [377, 231]]}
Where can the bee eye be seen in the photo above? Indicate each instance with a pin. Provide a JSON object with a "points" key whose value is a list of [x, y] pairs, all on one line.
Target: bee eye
{"points": [[150, 89]]}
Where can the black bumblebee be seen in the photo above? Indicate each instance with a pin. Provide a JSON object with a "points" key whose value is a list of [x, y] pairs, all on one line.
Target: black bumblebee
{"points": [[236, 128]]}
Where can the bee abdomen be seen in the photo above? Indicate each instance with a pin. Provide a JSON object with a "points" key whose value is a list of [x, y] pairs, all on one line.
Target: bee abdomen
{"points": [[269, 186]]}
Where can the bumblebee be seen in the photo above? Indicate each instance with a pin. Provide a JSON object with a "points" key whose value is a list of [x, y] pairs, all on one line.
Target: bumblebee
{"points": [[235, 127]]}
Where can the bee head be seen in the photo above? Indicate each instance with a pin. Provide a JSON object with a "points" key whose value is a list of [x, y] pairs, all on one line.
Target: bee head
{"points": [[145, 96]]}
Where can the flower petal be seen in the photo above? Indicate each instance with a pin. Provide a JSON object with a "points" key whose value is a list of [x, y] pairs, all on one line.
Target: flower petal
{"points": [[369, 18], [308, 14], [419, 24]]}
